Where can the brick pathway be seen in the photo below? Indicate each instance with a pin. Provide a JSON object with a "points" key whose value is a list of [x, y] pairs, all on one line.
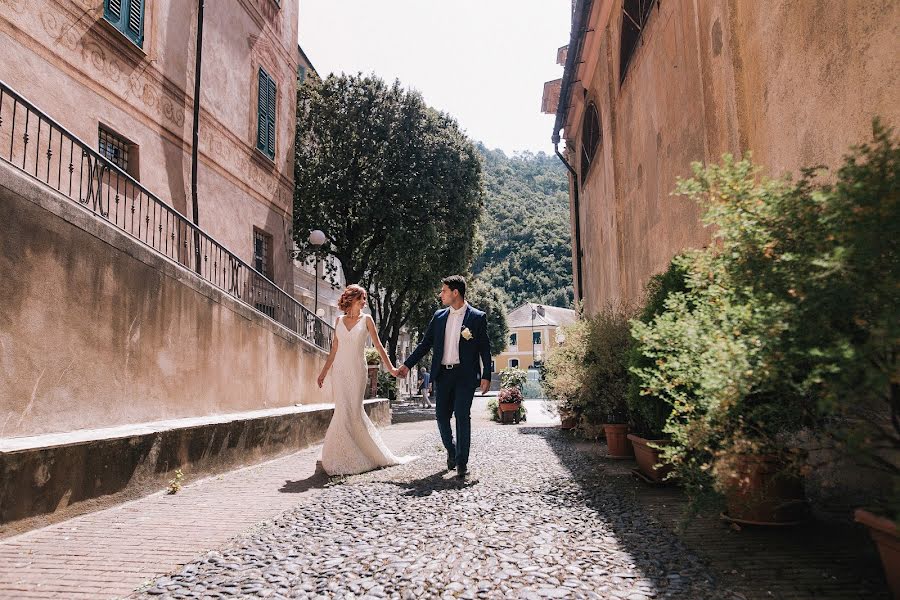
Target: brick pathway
{"points": [[112, 552]]}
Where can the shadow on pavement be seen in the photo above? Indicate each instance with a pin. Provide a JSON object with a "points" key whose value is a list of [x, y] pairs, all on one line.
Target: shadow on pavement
{"points": [[815, 561], [436, 482], [319, 479]]}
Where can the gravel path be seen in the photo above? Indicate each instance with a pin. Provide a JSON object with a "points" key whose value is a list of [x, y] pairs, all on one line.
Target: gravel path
{"points": [[532, 521]]}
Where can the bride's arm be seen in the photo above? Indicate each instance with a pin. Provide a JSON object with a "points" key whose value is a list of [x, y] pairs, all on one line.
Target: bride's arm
{"points": [[370, 325], [334, 347]]}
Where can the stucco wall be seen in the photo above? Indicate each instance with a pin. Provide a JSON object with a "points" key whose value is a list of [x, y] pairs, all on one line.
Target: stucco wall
{"points": [[64, 57], [96, 330], [796, 82]]}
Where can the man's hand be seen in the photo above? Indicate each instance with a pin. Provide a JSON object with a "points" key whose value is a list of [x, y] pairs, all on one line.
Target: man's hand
{"points": [[403, 371], [485, 386]]}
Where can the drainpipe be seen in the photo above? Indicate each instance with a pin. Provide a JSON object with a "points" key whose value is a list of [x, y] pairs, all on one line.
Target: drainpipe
{"points": [[196, 132], [579, 294]]}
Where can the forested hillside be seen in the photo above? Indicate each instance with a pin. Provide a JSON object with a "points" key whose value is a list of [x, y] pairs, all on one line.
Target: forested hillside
{"points": [[527, 242]]}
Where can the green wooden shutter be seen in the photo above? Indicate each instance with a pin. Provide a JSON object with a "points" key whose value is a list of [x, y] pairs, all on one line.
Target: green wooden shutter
{"points": [[270, 149], [127, 16], [262, 126], [112, 11], [134, 28]]}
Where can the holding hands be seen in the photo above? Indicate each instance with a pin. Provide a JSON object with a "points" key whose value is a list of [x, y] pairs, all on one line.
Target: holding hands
{"points": [[403, 371]]}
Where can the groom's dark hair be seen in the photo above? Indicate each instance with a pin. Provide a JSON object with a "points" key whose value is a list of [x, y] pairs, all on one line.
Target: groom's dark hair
{"points": [[456, 282]]}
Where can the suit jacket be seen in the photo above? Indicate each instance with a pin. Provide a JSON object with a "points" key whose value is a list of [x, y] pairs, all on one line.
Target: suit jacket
{"points": [[470, 351]]}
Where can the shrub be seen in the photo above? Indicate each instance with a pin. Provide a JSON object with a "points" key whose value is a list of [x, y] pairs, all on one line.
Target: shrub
{"points": [[788, 321], [372, 356], [513, 377], [648, 411], [588, 374], [387, 385]]}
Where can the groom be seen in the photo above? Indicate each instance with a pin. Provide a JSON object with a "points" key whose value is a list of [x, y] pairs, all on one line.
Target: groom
{"points": [[458, 335]]}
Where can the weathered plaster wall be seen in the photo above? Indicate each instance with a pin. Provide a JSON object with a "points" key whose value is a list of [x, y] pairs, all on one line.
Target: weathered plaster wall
{"points": [[96, 330]]}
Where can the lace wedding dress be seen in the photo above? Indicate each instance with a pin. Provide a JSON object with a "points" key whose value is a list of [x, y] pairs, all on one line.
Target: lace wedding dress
{"points": [[352, 443]]}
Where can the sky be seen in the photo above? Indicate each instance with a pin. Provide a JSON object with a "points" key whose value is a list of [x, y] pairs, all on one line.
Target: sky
{"points": [[483, 61]]}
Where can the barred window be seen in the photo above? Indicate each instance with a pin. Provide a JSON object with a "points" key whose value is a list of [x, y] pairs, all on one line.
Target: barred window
{"points": [[635, 14], [114, 148]]}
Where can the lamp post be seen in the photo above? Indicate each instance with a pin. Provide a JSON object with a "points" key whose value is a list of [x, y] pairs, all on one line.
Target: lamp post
{"points": [[317, 238], [535, 311]]}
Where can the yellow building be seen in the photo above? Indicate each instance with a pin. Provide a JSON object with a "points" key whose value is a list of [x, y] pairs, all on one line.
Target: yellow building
{"points": [[533, 333]]}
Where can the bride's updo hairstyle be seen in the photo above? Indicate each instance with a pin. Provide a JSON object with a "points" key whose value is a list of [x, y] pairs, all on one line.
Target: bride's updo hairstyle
{"points": [[350, 295]]}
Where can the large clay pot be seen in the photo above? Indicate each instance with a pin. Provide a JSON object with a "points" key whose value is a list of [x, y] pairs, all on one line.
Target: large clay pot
{"points": [[884, 532], [760, 492], [509, 412], [617, 441], [648, 457], [372, 388]]}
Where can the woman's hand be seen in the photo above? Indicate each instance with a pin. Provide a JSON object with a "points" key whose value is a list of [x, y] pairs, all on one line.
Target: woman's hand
{"points": [[321, 379]]}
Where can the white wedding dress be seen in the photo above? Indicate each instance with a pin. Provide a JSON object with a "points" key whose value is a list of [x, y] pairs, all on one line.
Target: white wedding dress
{"points": [[352, 443]]}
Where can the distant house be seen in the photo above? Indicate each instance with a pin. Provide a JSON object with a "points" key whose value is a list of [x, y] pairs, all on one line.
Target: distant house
{"points": [[533, 330]]}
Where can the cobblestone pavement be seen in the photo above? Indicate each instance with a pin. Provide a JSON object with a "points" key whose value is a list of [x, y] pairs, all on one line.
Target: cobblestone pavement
{"points": [[524, 525]]}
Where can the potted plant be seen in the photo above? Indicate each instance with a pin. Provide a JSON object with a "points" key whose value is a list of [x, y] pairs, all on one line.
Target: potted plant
{"points": [[510, 404], [648, 411], [373, 359], [606, 377], [564, 374]]}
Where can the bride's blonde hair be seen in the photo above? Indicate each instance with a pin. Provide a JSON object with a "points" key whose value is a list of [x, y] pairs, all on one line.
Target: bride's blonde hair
{"points": [[350, 295]]}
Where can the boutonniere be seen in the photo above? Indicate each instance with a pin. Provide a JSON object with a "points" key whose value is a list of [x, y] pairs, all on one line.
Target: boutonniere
{"points": [[465, 333]]}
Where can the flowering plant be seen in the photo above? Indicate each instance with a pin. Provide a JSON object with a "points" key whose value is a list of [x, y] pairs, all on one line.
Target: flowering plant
{"points": [[511, 394]]}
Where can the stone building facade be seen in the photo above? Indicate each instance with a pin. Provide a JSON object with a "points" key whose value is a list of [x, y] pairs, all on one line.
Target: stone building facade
{"points": [[649, 87], [120, 74]]}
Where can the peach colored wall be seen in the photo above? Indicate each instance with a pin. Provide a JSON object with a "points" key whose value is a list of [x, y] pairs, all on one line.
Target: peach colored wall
{"points": [[795, 82], [129, 336], [63, 56]]}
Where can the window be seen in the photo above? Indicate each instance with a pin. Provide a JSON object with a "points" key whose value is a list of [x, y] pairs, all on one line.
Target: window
{"points": [[590, 138], [513, 339], [513, 363], [128, 17], [536, 338], [301, 74], [265, 129], [635, 14], [262, 252], [113, 148]]}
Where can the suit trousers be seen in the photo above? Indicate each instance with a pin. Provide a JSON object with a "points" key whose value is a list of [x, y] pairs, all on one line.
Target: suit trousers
{"points": [[454, 394]]}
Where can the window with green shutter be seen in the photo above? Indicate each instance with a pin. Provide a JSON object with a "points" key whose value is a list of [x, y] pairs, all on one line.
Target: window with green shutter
{"points": [[265, 104], [127, 16]]}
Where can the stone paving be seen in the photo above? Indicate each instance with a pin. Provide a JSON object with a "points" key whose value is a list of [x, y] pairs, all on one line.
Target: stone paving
{"points": [[525, 525]]}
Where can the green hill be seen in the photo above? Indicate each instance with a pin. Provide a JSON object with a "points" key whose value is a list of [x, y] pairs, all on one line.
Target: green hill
{"points": [[527, 242]]}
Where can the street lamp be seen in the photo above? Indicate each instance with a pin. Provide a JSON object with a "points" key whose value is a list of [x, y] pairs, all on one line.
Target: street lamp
{"points": [[535, 311], [317, 238]]}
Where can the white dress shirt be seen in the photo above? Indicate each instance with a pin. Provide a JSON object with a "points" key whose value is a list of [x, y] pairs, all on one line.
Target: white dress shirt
{"points": [[451, 335]]}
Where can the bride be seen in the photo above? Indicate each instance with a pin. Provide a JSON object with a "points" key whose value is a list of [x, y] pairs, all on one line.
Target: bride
{"points": [[352, 443]]}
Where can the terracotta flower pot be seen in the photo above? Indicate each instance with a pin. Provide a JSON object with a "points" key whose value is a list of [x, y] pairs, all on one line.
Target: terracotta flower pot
{"points": [[887, 538], [648, 457], [617, 441], [761, 493], [372, 388], [509, 412]]}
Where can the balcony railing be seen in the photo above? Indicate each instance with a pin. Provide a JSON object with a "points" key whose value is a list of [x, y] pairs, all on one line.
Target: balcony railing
{"points": [[39, 146]]}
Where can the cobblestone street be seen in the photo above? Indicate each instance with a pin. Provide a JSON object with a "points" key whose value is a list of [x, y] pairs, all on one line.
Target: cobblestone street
{"points": [[522, 526]]}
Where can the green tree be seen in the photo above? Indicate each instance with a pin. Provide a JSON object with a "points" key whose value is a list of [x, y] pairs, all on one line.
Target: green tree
{"points": [[527, 250], [395, 186]]}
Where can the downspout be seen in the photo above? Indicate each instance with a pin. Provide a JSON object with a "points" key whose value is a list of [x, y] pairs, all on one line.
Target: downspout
{"points": [[577, 210], [195, 138], [580, 14]]}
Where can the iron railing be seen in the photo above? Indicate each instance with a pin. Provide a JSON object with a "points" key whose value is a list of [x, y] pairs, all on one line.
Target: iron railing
{"points": [[39, 146]]}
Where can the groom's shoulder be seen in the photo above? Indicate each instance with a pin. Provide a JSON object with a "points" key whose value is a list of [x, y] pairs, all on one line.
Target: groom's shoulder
{"points": [[476, 312]]}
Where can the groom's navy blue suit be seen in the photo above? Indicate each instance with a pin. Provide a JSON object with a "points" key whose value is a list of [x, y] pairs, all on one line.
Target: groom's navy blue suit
{"points": [[455, 388]]}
